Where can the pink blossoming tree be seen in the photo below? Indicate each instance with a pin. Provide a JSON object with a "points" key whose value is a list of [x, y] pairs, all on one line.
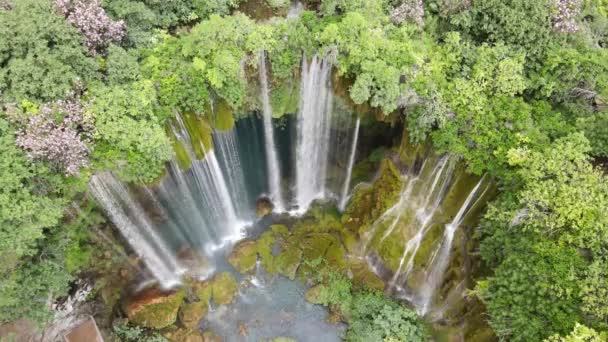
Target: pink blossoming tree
{"points": [[93, 23], [59, 134]]}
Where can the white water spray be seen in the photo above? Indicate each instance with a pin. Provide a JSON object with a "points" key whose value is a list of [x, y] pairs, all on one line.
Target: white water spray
{"points": [[440, 262], [272, 160], [133, 223], [349, 168], [314, 121]]}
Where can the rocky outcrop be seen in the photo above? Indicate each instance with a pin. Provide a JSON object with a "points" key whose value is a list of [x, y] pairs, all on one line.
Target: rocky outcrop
{"points": [[154, 308], [244, 256], [190, 314], [224, 288]]}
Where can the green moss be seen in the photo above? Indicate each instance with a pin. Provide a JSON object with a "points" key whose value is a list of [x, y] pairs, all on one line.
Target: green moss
{"points": [[191, 313], [288, 261], [368, 203], [363, 277], [224, 288], [224, 116], [279, 229], [284, 99], [200, 132], [203, 290], [313, 295], [183, 159], [155, 309], [244, 256], [264, 246]]}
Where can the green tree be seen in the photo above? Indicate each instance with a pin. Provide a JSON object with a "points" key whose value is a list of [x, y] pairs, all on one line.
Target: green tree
{"points": [[130, 139], [42, 58]]}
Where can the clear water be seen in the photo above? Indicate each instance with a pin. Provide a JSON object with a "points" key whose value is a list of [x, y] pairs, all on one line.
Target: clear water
{"points": [[273, 307]]}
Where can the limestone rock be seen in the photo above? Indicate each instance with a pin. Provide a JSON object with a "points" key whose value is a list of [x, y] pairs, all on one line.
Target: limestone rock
{"points": [[154, 308], [244, 256]]}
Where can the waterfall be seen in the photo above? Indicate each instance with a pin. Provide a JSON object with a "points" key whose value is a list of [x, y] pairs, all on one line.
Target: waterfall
{"points": [[313, 135], [440, 261], [225, 144], [424, 215], [349, 169], [272, 160], [134, 225]]}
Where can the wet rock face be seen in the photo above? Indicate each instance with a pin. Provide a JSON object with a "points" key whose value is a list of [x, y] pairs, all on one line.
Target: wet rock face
{"points": [[154, 308], [370, 202]]}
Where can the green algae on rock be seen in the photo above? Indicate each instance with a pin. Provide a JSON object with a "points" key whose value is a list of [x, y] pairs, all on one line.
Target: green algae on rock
{"points": [[191, 313], [244, 256], [154, 308], [224, 288], [369, 202]]}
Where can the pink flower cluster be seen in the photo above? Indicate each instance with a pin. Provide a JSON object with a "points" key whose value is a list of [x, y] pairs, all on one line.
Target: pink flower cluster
{"points": [[564, 19], [60, 135], [93, 23], [5, 5], [412, 10]]}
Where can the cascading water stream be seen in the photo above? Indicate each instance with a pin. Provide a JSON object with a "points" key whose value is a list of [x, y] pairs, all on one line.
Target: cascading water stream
{"points": [[349, 168], [132, 222], [272, 160], [313, 135], [440, 261], [225, 145], [424, 216]]}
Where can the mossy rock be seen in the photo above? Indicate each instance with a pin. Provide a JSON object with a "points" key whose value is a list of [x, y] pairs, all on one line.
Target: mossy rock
{"points": [[203, 290], [189, 335], [224, 288], [336, 256], [200, 132], [263, 207], [288, 261], [224, 116], [280, 339], [284, 99], [364, 277], [315, 245], [244, 256], [266, 244], [368, 203], [182, 156], [154, 308], [313, 295], [191, 313], [210, 336]]}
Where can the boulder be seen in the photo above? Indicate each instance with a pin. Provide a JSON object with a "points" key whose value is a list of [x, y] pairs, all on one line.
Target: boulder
{"points": [[190, 335], [288, 261], [192, 313], [244, 256], [154, 308], [263, 206], [224, 288], [313, 295]]}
